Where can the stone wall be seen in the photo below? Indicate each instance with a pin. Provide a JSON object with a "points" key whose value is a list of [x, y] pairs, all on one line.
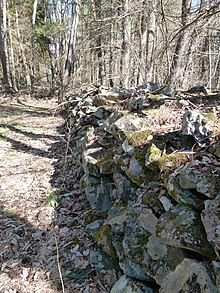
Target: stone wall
{"points": [[149, 166]]}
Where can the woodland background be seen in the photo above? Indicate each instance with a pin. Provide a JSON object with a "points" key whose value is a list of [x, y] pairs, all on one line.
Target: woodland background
{"points": [[51, 45]]}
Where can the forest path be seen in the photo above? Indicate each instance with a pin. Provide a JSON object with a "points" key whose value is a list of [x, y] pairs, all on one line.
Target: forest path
{"points": [[41, 216]]}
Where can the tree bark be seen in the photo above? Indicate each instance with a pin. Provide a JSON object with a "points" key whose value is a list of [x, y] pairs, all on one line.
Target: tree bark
{"points": [[126, 45], [3, 57], [74, 19], [33, 44]]}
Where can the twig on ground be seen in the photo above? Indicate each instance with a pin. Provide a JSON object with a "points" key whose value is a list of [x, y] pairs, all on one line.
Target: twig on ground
{"points": [[58, 263]]}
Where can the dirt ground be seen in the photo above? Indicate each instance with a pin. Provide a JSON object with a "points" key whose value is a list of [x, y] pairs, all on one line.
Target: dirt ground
{"points": [[43, 246]]}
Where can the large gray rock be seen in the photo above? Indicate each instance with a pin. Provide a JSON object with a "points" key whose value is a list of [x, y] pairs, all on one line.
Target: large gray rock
{"points": [[181, 227], [127, 285], [202, 177], [211, 221], [135, 171], [91, 157], [102, 261], [147, 87], [99, 195], [125, 190], [194, 124], [145, 254], [122, 126], [190, 276], [136, 104]]}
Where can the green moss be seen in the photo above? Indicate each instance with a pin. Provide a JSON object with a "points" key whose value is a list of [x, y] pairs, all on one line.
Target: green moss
{"points": [[168, 163], [94, 215], [104, 231], [172, 161], [153, 154], [104, 238], [138, 137]]}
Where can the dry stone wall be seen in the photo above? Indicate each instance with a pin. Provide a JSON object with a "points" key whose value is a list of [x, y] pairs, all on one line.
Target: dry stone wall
{"points": [[149, 166]]}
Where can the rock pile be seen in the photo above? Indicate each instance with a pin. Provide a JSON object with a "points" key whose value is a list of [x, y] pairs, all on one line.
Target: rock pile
{"points": [[150, 170]]}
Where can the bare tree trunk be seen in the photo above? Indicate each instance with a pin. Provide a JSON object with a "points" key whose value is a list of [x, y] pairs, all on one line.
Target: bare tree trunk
{"points": [[21, 48], [143, 47], [70, 50], [181, 47], [33, 44], [11, 57], [3, 57], [111, 82], [147, 37], [151, 36], [126, 45]]}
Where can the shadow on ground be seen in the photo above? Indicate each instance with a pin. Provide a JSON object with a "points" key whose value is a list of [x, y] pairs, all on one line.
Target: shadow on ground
{"points": [[29, 253]]}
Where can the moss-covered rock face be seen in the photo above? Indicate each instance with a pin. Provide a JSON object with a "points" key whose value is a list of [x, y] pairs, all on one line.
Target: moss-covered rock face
{"points": [[139, 137], [181, 227], [168, 163], [193, 183], [211, 221], [106, 163], [143, 250], [121, 127], [195, 277], [153, 155]]}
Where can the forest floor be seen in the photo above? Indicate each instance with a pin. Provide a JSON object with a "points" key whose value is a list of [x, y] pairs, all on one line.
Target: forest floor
{"points": [[43, 246]]}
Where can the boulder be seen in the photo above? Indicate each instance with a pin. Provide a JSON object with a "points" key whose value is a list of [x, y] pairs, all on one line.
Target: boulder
{"points": [[211, 221], [194, 182], [181, 227], [189, 276], [122, 126], [147, 87], [125, 190], [99, 195], [195, 124], [145, 254], [102, 261]]}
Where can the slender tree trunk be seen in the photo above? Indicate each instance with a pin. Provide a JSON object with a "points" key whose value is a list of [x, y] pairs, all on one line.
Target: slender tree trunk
{"points": [[180, 49], [11, 58], [111, 50], [151, 37], [33, 43], [3, 56], [126, 45], [22, 54], [70, 50]]}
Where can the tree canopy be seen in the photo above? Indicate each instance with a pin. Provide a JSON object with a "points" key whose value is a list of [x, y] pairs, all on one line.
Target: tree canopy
{"points": [[53, 44]]}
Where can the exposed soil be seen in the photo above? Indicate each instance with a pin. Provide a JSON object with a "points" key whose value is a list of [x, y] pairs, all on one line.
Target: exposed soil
{"points": [[42, 240]]}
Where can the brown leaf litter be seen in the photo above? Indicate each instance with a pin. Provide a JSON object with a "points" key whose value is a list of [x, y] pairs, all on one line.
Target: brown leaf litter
{"points": [[40, 245]]}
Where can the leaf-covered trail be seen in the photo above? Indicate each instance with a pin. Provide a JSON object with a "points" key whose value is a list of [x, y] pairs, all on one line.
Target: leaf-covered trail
{"points": [[34, 170]]}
